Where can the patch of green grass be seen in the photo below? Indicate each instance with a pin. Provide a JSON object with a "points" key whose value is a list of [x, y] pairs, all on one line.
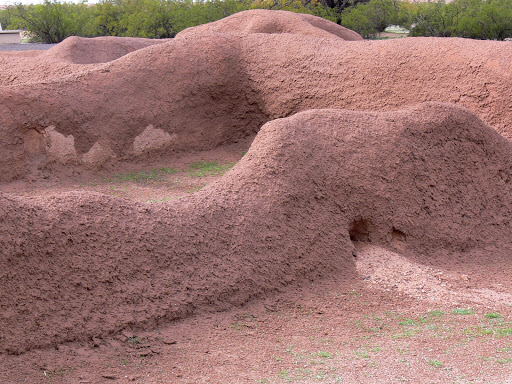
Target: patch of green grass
{"points": [[321, 375], [406, 334], [402, 350], [157, 174], [493, 315], [502, 360], [499, 360], [309, 375], [285, 374], [463, 311], [436, 313], [503, 332], [194, 189], [407, 322], [497, 330], [158, 200], [435, 363], [208, 168], [362, 354], [323, 354]]}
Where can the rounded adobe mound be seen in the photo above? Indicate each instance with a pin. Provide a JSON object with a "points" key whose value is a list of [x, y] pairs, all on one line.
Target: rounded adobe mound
{"points": [[84, 50], [79, 265], [276, 22]]}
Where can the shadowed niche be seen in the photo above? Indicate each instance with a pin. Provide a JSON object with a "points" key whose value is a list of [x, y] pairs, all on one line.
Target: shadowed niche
{"points": [[359, 231]]}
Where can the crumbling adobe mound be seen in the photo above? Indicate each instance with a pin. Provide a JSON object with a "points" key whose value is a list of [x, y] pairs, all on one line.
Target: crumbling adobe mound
{"points": [[73, 55], [79, 50], [210, 87], [276, 22], [79, 265]]}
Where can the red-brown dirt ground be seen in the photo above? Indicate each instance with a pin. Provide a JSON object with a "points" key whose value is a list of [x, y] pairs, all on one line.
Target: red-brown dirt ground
{"points": [[369, 244]]}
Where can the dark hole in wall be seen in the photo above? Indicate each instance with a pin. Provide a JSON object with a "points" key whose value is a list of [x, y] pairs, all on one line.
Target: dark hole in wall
{"points": [[359, 231], [397, 235]]}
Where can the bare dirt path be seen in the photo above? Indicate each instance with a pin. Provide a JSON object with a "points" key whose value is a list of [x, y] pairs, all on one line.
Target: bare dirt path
{"points": [[324, 333]]}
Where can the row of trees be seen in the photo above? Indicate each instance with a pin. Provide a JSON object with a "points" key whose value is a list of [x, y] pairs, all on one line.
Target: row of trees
{"points": [[53, 21], [476, 19]]}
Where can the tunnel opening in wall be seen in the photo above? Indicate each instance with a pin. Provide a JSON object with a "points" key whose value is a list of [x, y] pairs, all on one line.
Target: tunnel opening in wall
{"points": [[359, 231]]}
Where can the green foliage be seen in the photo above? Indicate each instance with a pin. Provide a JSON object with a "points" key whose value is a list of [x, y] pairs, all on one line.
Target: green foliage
{"points": [[463, 311], [435, 363], [208, 168], [144, 176], [435, 19], [5, 18], [373, 17], [477, 19], [53, 21], [106, 16]]}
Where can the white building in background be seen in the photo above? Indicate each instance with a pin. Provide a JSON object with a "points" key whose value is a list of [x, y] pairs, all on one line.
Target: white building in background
{"points": [[10, 37]]}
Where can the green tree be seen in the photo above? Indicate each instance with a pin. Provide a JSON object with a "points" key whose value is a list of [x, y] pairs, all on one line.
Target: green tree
{"points": [[51, 21], [496, 19], [106, 15], [371, 18], [5, 19], [436, 19]]}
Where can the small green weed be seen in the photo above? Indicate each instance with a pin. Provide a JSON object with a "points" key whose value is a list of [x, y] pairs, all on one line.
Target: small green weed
{"points": [[463, 311], [494, 329], [362, 355], [503, 332], [323, 354], [285, 374], [493, 315], [208, 168], [402, 350], [144, 176], [504, 360], [406, 334], [435, 363], [499, 360], [436, 313], [158, 200], [194, 189]]}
